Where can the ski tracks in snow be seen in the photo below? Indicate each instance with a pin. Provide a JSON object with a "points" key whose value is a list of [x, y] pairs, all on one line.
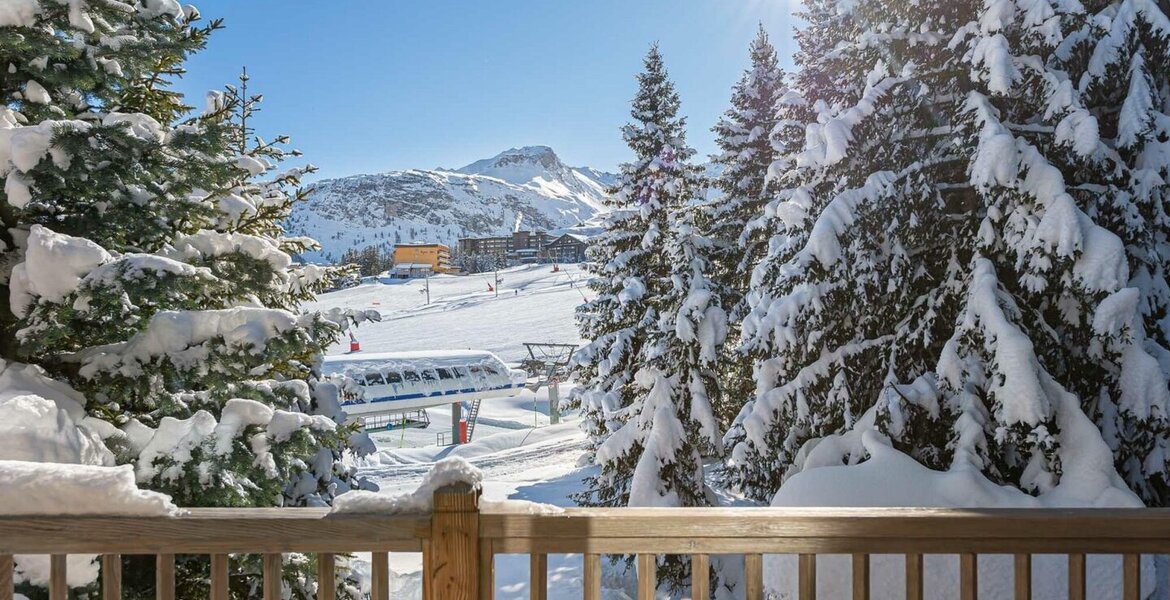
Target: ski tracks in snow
{"points": [[508, 465]]}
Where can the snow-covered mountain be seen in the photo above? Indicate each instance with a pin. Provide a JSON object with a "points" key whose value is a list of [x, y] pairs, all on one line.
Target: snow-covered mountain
{"points": [[528, 185]]}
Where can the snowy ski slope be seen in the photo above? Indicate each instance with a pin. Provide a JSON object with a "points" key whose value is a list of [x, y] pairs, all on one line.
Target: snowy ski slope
{"points": [[533, 305]]}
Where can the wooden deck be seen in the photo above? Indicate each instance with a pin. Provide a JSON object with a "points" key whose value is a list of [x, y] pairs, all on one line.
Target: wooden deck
{"points": [[459, 543]]}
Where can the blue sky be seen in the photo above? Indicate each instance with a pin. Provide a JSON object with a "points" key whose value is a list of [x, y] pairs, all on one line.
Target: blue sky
{"points": [[372, 86]]}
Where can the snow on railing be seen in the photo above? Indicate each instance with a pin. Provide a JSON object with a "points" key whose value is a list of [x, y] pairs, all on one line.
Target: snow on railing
{"points": [[459, 536]]}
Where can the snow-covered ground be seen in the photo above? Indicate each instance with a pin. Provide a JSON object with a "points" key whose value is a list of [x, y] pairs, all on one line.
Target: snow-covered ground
{"points": [[518, 461], [514, 446], [534, 304]]}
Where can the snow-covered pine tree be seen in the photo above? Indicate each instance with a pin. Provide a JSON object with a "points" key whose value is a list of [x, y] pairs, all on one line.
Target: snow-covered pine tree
{"points": [[738, 223], [954, 273], [673, 425], [823, 75], [624, 261], [148, 269], [821, 322], [670, 427], [657, 324], [1117, 59], [63, 61]]}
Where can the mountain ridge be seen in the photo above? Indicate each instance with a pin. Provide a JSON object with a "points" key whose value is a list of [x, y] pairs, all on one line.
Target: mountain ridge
{"points": [[529, 187]]}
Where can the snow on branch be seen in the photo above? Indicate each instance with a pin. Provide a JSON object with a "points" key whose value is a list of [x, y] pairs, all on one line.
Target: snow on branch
{"points": [[184, 338], [1062, 229]]}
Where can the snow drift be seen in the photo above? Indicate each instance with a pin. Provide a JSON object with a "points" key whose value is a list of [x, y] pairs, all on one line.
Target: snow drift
{"points": [[889, 478], [446, 472], [31, 488]]}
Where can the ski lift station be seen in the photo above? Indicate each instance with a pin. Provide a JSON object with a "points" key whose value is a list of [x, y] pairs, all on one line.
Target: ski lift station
{"points": [[399, 384]]}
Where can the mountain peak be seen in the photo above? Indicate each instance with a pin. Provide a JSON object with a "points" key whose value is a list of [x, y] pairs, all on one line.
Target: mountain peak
{"points": [[528, 151], [518, 165]]}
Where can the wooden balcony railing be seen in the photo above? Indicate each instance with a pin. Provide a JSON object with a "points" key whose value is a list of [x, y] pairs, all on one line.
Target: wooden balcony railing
{"points": [[459, 543]]}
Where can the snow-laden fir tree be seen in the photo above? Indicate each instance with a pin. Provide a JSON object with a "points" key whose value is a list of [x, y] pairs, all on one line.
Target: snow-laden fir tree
{"points": [[147, 268], [1117, 57], [824, 75], [971, 251], [738, 223], [670, 429], [623, 262], [63, 61], [744, 136], [814, 322], [657, 324]]}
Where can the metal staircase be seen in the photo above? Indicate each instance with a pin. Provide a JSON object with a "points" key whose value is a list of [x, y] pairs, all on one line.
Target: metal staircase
{"points": [[472, 417]]}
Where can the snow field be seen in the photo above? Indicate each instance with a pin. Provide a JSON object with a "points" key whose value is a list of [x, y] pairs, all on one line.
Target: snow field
{"points": [[534, 304], [530, 464]]}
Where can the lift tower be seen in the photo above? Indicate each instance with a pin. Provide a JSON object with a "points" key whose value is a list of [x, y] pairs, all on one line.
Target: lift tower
{"points": [[548, 364]]}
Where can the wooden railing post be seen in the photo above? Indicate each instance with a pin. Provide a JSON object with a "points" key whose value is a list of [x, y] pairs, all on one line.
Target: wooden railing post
{"points": [[453, 566], [7, 563]]}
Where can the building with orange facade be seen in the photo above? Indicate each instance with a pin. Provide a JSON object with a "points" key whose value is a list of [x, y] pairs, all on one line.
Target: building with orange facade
{"points": [[437, 256]]}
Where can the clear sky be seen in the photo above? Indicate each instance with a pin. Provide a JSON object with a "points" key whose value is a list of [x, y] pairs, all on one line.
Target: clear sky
{"points": [[376, 85]]}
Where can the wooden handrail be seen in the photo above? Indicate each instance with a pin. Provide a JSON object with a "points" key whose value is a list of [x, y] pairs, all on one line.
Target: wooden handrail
{"points": [[807, 532], [830, 530], [215, 531], [459, 542]]}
